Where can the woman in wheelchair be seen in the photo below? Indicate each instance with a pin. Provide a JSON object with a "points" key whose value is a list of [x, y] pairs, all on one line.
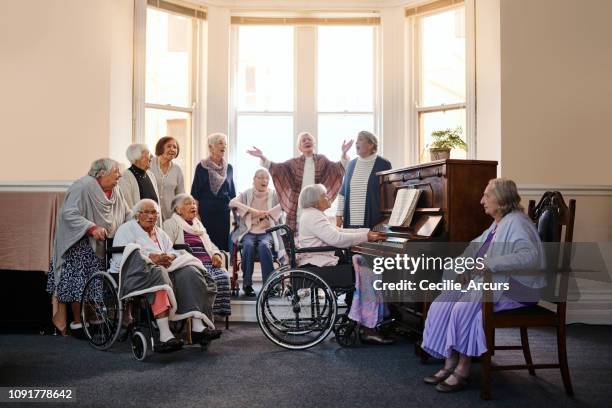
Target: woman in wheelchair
{"points": [[185, 228], [316, 230], [259, 209], [177, 285]]}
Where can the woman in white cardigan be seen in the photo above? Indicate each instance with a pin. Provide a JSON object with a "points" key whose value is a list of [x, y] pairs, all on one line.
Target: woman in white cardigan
{"points": [[185, 228], [316, 230], [259, 209]]}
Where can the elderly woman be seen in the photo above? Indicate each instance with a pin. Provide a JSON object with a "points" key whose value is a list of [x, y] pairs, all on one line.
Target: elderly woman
{"points": [[453, 329], [169, 176], [359, 198], [92, 211], [291, 176], [213, 188], [318, 231], [184, 228], [259, 210], [192, 291], [138, 181]]}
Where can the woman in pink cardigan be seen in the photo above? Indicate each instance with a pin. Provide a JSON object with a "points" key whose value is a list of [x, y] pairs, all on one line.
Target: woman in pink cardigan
{"points": [[316, 230]]}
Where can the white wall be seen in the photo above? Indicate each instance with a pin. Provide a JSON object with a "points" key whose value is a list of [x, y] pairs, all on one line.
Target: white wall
{"points": [[58, 63]]}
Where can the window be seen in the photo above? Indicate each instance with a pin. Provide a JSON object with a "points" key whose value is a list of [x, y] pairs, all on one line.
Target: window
{"points": [[263, 97], [169, 83], [345, 86], [440, 76], [292, 78]]}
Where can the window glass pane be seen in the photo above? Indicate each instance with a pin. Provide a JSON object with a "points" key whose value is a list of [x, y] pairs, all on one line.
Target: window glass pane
{"points": [[265, 68], [168, 58], [443, 58], [345, 61], [273, 134], [334, 129], [430, 122], [160, 123]]}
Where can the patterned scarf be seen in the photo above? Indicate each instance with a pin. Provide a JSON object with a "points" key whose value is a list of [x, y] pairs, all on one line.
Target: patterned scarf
{"points": [[216, 173]]}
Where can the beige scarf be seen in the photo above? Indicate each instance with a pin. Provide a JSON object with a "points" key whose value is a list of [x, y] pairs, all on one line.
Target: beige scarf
{"points": [[195, 229]]}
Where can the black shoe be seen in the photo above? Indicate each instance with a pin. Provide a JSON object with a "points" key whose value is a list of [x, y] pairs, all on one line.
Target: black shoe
{"points": [[173, 344], [248, 291], [206, 336]]}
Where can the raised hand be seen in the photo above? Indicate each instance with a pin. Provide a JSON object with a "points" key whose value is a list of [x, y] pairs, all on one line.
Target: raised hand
{"points": [[255, 152], [346, 146]]}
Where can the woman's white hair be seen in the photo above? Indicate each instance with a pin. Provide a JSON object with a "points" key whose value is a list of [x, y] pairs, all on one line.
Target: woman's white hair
{"points": [[309, 197], [371, 137], [300, 136], [134, 151], [178, 200], [262, 171], [101, 167], [213, 138], [138, 206]]}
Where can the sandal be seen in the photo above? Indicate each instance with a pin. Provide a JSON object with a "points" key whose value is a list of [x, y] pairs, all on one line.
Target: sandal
{"points": [[433, 379], [462, 382]]}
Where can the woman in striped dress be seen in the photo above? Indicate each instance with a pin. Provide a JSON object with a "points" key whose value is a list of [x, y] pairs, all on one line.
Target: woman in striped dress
{"points": [[453, 329], [359, 197], [184, 228]]}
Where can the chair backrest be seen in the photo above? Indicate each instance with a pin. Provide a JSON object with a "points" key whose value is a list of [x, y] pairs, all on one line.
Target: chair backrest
{"points": [[555, 223]]}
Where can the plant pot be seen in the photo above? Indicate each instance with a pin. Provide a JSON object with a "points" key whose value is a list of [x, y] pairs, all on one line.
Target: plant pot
{"points": [[439, 154]]}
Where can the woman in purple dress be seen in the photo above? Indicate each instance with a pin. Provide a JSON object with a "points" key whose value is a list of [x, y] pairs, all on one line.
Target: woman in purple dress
{"points": [[453, 329]]}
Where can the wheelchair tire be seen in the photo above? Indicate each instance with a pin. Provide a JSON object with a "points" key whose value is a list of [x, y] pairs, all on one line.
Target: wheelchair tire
{"points": [[101, 310], [296, 309], [139, 346]]}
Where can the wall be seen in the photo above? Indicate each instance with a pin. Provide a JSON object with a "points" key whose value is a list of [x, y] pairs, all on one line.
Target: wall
{"points": [[57, 65]]}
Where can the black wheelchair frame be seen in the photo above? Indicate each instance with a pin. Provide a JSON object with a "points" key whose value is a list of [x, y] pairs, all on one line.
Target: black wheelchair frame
{"points": [[297, 309]]}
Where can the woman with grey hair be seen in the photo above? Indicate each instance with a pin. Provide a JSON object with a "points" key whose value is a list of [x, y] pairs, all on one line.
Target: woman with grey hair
{"points": [[93, 209], [192, 290], [291, 176], [138, 181], [359, 197], [213, 188], [258, 209], [508, 248], [183, 227], [316, 230]]}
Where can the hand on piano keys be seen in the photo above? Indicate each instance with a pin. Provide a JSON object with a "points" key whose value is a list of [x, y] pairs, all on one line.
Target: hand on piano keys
{"points": [[374, 236]]}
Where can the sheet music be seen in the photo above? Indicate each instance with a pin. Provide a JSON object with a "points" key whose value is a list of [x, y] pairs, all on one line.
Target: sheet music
{"points": [[404, 206]]}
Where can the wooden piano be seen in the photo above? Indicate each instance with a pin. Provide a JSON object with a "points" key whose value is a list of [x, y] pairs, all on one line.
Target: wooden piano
{"points": [[448, 210]]}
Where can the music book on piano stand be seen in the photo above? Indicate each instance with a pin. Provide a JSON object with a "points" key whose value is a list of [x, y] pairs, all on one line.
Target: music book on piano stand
{"points": [[404, 206]]}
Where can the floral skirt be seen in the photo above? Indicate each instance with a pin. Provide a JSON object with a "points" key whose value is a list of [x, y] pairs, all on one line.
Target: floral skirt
{"points": [[80, 262]]}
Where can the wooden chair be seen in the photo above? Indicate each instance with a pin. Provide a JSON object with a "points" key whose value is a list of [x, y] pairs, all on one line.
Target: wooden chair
{"points": [[551, 214]]}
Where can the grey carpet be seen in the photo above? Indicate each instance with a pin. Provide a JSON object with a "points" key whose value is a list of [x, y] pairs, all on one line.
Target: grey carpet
{"points": [[243, 369]]}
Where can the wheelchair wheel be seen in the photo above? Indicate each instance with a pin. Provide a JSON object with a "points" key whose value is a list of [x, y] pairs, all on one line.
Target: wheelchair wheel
{"points": [[101, 310], [296, 309], [139, 346], [345, 331]]}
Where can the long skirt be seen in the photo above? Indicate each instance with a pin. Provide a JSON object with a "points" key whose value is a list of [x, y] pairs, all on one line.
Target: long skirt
{"points": [[454, 323], [221, 277], [217, 224], [80, 262], [368, 307]]}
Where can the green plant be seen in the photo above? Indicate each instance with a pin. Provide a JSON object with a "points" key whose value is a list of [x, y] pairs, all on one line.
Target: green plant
{"points": [[448, 139]]}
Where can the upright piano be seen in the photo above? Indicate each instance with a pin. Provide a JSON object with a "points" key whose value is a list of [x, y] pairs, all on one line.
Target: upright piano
{"points": [[448, 210]]}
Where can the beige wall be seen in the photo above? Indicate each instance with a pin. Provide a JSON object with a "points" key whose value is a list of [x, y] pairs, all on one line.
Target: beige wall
{"points": [[556, 60], [55, 76]]}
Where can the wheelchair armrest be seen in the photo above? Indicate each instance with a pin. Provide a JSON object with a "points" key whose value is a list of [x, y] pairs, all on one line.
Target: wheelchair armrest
{"points": [[116, 250], [182, 247]]}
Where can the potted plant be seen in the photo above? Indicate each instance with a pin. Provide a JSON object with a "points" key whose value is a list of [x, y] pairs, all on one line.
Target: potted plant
{"points": [[444, 141]]}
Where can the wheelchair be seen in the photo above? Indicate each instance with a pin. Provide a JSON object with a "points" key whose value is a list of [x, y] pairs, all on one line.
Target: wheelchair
{"points": [[102, 311], [297, 308]]}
